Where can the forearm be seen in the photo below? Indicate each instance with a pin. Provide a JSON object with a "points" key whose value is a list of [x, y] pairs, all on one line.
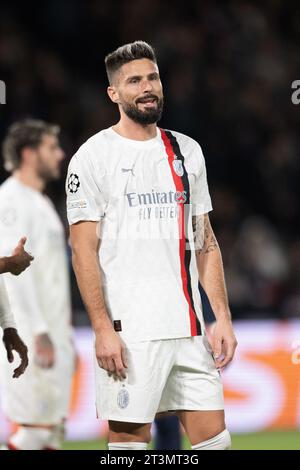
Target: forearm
{"points": [[87, 271], [210, 267], [211, 276]]}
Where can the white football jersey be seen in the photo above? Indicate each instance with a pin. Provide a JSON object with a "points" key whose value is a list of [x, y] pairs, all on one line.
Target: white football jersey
{"points": [[144, 193], [39, 297], [6, 316]]}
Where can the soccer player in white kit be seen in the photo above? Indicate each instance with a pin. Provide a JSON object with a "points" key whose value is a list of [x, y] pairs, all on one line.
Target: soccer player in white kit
{"points": [[39, 297], [14, 264], [138, 203]]}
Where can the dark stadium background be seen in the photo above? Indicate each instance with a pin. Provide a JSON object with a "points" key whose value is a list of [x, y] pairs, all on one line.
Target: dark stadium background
{"points": [[227, 70]]}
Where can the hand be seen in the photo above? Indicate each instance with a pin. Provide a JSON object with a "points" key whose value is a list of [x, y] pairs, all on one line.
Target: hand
{"points": [[224, 342], [12, 341], [44, 351], [110, 353], [20, 259]]}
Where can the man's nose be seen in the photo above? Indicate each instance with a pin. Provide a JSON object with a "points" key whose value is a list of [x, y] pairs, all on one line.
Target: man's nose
{"points": [[146, 86]]}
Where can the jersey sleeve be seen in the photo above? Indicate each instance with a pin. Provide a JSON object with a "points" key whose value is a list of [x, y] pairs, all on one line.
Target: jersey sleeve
{"points": [[201, 201], [6, 316], [85, 198]]}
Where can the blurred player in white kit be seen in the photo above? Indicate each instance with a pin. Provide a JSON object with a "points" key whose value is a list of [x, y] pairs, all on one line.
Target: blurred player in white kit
{"points": [[14, 264], [39, 297]]}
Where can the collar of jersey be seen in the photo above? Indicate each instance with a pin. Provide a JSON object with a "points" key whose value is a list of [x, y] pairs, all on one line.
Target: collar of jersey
{"points": [[136, 143]]}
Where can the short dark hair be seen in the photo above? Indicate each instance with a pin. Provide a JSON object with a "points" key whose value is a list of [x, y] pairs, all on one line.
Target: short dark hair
{"points": [[22, 134], [124, 54]]}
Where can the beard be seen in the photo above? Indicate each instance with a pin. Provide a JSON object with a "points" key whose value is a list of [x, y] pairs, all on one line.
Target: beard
{"points": [[148, 116], [47, 174]]}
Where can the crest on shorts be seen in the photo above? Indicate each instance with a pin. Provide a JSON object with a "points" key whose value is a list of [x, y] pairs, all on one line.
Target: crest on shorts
{"points": [[73, 183], [178, 167], [123, 398]]}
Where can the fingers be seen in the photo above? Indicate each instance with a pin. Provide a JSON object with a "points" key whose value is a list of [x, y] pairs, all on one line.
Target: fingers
{"points": [[29, 257], [19, 371], [20, 247], [22, 242], [227, 354], [217, 348], [23, 366], [44, 351], [9, 349], [113, 365], [44, 360], [124, 358], [104, 364], [22, 351], [120, 368]]}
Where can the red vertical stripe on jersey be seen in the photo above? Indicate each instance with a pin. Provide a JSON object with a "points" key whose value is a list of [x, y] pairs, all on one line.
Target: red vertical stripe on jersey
{"points": [[182, 238]]}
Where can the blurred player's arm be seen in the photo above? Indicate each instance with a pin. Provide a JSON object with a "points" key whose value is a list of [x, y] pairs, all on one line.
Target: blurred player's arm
{"points": [[211, 276], [110, 351], [11, 339], [18, 261], [26, 291]]}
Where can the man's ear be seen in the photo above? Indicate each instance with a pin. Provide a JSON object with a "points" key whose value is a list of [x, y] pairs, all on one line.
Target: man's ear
{"points": [[113, 94], [28, 154]]}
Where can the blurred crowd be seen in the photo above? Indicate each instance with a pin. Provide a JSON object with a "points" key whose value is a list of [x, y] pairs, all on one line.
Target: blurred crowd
{"points": [[227, 70]]}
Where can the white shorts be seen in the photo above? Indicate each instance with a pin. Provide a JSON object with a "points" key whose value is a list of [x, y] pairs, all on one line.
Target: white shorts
{"points": [[163, 375]]}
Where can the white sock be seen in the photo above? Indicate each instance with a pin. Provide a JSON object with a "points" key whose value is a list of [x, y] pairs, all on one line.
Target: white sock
{"points": [[127, 445], [27, 438], [220, 442]]}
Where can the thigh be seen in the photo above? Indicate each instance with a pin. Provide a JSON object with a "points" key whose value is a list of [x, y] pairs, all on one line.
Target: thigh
{"points": [[129, 432], [202, 425]]}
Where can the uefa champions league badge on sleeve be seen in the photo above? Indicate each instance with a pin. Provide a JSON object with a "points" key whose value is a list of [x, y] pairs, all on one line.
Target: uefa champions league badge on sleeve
{"points": [[73, 183], [123, 398], [178, 167]]}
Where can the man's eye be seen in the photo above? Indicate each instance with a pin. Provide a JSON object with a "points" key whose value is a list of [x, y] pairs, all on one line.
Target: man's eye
{"points": [[133, 80]]}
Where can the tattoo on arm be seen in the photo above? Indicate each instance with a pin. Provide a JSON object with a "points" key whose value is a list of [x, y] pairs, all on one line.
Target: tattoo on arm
{"points": [[204, 237]]}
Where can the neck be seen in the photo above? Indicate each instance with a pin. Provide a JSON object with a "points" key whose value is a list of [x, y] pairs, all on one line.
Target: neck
{"points": [[132, 130], [29, 178]]}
